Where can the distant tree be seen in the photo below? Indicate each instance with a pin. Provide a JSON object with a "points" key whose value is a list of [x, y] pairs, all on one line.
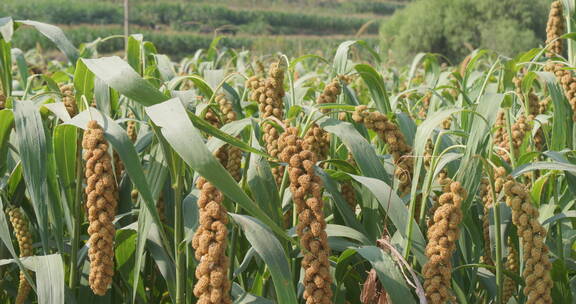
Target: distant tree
{"points": [[453, 27]]}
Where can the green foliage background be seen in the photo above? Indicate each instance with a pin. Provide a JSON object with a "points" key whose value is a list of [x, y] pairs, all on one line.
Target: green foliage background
{"points": [[455, 27]]}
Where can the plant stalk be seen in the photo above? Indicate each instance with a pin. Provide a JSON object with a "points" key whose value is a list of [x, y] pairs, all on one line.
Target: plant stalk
{"points": [[498, 260], [510, 139], [178, 237], [77, 220]]}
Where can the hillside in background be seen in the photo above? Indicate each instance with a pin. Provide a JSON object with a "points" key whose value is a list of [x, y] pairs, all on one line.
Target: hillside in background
{"points": [[180, 27]]}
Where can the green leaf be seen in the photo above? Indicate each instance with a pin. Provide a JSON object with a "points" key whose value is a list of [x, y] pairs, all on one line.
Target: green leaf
{"points": [[162, 260], [147, 227], [389, 275], [347, 232], [117, 137], [271, 251], [83, 84], [6, 28], [165, 67], [343, 207], [397, 212], [119, 75], [375, 84], [242, 297], [262, 184], [170, 116], [125, 243], [6, 124], [7, 241], [224, 136], [65, 142], [6, 67], [198, 82], [22, 66], [341, 57], [49, 277], [562, 121], [56, 35], [543, 166], [134, 52], [363, 152], [570, 214], [33, 154]]}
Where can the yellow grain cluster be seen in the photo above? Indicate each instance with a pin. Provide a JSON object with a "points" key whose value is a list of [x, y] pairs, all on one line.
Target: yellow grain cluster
{"points": [[488, 202], [24, 238], [537, 266], [444, 181], [502, 139], [67, 91], [269, 93], [442, 237], [425, 104], [118, 166], [131, 128], [226, 108], [233, 154], [212, 118], [554, 29], [306, 188], [316, 137], [347, 189], [102, 197], [397, 146], [209, 242], [567, 81], [2, 100], [535, 107], [349, 194], [509, 288], [330, 93]]}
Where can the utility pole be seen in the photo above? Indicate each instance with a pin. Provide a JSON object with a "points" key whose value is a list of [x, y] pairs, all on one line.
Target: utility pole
{"points": [[126, 24]]}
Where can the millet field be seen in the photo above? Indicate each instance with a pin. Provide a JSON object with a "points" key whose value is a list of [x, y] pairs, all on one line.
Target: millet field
{"points": [[231, 176]]}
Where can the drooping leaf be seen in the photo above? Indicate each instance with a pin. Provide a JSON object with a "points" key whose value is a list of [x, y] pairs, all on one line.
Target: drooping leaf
{"points": [[172, 120], [270, 250], [33, 154], [56, 35], [119, 75]]}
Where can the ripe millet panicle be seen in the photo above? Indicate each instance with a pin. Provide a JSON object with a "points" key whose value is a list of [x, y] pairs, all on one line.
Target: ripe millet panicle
{"points": [[209, 243], [234, 157], [306, 188], [442, 237], [537, 266], [425, 104], [567, 81], [347, 188], [502, 140], [269, 93], [316, 137], [102, 196], [397, 146], [2, 100], [554, 29], [69, 99], [444, 181], [511, 266], [24, 238], [488, 202], [535, 107], [131, 128]]}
